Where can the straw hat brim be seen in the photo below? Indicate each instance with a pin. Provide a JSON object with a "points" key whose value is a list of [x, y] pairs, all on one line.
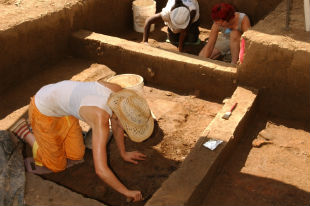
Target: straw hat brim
{"points": [[136, 131]]}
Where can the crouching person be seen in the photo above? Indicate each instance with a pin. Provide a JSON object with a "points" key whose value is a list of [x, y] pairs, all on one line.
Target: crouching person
{"points": [[182, 19], [56, 138]]}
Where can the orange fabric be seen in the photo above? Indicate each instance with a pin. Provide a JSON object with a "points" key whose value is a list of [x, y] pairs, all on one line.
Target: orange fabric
{"points": [[58, 138]]}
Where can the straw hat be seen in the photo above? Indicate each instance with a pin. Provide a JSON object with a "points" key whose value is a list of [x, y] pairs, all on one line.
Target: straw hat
{"points": [[180, 17], [134, 114]]}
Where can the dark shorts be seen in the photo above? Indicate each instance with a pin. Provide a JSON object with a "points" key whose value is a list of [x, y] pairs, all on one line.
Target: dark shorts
{"points": [[191, 36]]}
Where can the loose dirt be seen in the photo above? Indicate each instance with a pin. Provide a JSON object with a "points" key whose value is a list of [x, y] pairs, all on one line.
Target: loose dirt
{"points": [[270, 166], [181, 118]]}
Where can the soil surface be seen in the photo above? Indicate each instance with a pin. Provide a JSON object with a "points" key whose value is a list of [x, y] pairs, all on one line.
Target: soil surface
{"points": [[181, 118], [14, 12], [270, 166], [158, 38]]}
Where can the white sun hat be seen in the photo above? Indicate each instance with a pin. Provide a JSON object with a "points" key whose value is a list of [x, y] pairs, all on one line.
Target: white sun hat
{"points": [[180, 17], [134, 114]]}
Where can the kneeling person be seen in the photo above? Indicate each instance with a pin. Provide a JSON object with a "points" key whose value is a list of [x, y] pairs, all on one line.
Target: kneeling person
{"points": [[56, 136], [182, 19]]}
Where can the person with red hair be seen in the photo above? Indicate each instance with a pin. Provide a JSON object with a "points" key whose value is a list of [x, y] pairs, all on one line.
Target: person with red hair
{"points": [[226, 31]]}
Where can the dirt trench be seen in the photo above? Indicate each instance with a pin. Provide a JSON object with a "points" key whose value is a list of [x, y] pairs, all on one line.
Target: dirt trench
{"points": [[269, 166], [252, 174], [181, 119], [259, 175]]}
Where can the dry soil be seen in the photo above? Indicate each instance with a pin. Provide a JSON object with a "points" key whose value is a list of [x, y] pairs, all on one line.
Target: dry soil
{"points": [[270, 166]]}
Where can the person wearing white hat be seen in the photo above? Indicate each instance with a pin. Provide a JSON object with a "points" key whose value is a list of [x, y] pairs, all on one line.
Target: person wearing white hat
{"points": [[56, 136], [182, 19]]}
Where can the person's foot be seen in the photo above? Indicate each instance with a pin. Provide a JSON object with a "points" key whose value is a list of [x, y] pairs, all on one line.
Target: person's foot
{"points": [[40, 170], [36, 169]]}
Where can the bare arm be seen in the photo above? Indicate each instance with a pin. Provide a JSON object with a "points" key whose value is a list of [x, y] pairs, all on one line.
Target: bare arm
{"points": [[149, 21], [181, 40], [235, 36], [98, 119], [234, 45], [184, 32], [118, 134], [206, 51], [112, 86], [245, 24]]}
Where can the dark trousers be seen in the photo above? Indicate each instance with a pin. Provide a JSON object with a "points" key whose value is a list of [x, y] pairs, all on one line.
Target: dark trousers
{"points": [[192, 34]]}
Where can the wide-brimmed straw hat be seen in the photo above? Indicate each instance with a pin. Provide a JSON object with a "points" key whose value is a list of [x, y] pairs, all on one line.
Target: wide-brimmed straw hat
{"points": [[134, 114], [180, 17]]}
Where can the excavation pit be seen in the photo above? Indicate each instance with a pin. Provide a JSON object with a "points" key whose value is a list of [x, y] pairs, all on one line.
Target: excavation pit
{"points": [[276, 64], [181, 118]]}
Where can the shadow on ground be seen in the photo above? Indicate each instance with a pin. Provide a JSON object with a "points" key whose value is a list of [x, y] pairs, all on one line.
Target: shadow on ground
{"points": [[235, 185]]}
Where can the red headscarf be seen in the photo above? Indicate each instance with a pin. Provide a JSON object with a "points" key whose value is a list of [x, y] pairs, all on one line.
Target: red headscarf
{"points": [[222, 11]]}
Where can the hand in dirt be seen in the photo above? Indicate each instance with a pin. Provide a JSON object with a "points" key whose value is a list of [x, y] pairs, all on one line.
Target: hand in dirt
{"points": [[133, 157], [134, 196], [145, 42]]}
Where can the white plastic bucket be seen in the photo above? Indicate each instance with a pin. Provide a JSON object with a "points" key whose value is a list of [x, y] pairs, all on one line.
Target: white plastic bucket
{"points": [[142, 9], [129, 81]]}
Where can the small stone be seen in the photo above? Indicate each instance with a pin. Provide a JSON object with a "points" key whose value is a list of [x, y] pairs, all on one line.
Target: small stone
{"points": [[260, 142], [225, 100]]}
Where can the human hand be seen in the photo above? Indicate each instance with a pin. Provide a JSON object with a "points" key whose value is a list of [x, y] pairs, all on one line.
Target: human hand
{"points": [[133, 156], [133, 196], [145, 42]]}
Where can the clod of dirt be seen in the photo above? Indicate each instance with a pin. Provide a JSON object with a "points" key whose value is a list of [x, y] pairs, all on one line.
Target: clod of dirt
{"points": [[150, 72], [226, 100], [261, 139], [260, 142]]}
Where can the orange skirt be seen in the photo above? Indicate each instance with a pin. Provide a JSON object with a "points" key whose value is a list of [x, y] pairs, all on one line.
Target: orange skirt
{"points": [[57, 138]]}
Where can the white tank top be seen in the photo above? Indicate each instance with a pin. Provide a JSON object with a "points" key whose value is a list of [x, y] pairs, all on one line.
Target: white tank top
{"points": [[65, 98]]}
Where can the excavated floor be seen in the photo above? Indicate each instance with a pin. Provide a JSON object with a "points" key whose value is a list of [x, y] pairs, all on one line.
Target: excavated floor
{"points": [[268, 166], [181, 119]]}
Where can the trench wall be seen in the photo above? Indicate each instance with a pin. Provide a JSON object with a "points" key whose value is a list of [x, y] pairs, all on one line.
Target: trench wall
{"points": [[277, 61], [281, 74], [41, 40], [179, 71], [255, 9], [27, 44]]}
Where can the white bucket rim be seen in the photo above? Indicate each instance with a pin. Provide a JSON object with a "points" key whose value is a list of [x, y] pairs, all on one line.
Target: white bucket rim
{"points": [[140, 79], [152, 3]]}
